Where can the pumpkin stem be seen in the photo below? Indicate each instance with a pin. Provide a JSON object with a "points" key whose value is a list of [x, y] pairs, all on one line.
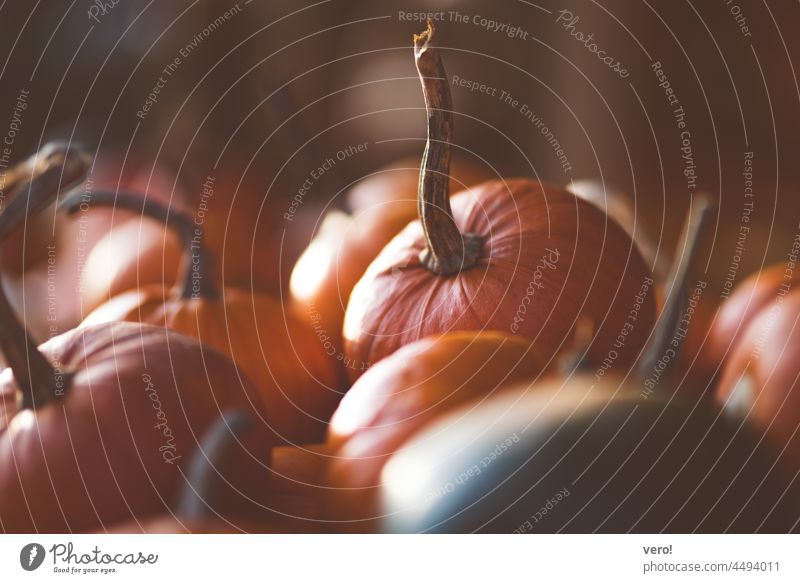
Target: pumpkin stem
{"points": [[203, 475], [54, 167], [678, 283], [575, 359], [448, 251], [197, 279]]}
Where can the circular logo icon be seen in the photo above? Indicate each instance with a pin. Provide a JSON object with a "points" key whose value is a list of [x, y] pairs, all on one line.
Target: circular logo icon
{"points": [[31, 556]]}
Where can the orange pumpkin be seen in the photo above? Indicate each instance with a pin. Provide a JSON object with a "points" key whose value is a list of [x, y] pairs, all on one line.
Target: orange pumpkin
{"points": [[137, 253], [750, 298], [400, 394], [344, 246], [618, 206], [282, 356], [513, 255], [760, 378], [296, 487], [204, 499]]}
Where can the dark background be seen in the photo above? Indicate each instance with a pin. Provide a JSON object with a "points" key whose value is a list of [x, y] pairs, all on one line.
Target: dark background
{"points": [[350, 74]]}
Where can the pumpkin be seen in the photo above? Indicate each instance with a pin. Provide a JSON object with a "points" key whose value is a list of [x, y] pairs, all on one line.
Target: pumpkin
{"points": [[582, 453], [105, 420], [282, 356], [398, 395], [510, 255], [125, 252], [81, 275], [297, 488], [572, 455], [134, 254], [421, 382], [753, 295], [197, 510], [345, 244], [618, 206], [57, 164], [759, 378]]}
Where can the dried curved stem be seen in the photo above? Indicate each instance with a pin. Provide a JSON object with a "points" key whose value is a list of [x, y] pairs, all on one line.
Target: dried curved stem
{"points": [[202, 479], [57, 166], [197, 258], [701, 210], [448, 251]]}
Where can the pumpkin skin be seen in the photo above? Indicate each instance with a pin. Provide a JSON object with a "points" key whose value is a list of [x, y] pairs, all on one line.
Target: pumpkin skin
{"points": [[345, 245], [510, 255], [580, 456], [284, 358], [280, 355], [296, 489], [619, 207], [750, 297], [198, 504], [84, 274], [114, 228], [759, 380], [137, 253], [92, 457], [533, 235], [294, 496], [333, 263], [610, 451], [399, 395]]}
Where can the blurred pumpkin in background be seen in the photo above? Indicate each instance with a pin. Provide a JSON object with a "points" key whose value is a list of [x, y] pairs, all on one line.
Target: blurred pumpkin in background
{"points": [[398, 395], [344, 246], [96, 255], [204, 500], [297, 380], [759, 375]]}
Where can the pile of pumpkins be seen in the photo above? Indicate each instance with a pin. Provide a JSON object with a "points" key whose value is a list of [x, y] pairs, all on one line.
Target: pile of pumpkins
{"points": [[511, 358]]}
